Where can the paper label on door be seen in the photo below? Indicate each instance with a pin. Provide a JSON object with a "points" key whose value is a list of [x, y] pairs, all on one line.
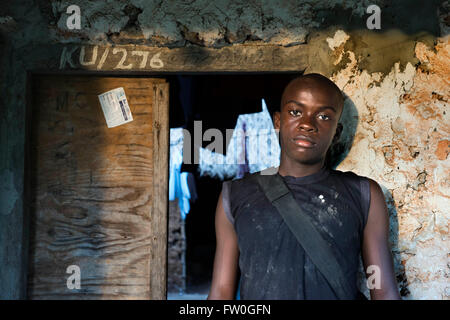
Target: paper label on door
{"points": [[115, 107]]}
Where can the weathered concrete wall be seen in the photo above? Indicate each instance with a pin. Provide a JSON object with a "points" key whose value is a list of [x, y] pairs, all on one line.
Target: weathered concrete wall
{"points": [[396, 80], [402, 141]]}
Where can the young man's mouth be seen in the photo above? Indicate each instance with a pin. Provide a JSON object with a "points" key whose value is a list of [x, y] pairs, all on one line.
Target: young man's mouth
{"points": [[304, 141]]}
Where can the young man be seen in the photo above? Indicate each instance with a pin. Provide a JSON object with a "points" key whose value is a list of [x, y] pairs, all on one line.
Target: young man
{"points": [[348, 210]]}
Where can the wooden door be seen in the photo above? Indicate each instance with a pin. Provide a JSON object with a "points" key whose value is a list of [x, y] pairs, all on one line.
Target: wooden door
{"points": [[98, 194]]}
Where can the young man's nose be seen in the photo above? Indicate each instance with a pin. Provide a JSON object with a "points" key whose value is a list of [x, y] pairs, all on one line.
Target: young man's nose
{"points": [[306, 124]]}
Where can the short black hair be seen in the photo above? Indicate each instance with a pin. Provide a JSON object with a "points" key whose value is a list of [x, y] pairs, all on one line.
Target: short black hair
{"points": [[316, 77]]}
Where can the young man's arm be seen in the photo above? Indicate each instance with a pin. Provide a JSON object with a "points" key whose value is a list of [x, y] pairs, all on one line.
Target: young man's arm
{"points": [[223, 284], [375, 248]]}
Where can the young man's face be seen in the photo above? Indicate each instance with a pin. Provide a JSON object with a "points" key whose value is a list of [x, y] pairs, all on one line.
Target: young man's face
{"points": [[308, 121]]}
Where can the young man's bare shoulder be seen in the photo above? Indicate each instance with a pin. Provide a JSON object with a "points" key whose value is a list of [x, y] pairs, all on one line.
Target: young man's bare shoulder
{"points": [[374, 185], [346, 173]]}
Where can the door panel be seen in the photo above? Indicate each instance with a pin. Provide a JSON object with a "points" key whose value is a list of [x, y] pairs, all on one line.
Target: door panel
{"points": [[98, 194]]}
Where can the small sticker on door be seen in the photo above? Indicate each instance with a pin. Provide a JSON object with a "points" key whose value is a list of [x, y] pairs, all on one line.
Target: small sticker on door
{"points": [[115, 107]]}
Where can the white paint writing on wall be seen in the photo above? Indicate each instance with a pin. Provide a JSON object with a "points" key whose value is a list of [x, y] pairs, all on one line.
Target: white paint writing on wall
{"points": [[124, 53], [66, 57], [156, 62], [374, 21], [74, 20], [94, 56], [124, 63], [144, 55], [103, 58]]}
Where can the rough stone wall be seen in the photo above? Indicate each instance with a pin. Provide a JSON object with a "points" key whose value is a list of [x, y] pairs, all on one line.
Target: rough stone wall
{"points": [[396, 81], [402, 142], [201, 22]]}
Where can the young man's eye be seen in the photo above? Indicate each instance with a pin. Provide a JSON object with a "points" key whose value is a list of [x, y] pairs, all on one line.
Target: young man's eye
{"points": [[324, 117], [294, 113]]}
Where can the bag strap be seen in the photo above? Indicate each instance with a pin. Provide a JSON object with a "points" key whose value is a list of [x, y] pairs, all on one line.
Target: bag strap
{"points": [[315, 246]]}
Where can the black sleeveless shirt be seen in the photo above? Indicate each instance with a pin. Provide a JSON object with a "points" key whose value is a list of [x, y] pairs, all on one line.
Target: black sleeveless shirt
{"points": [[273, 264]]}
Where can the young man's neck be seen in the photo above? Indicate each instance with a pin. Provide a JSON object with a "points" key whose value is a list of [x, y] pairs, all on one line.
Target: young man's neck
{"points": [[295, 169]]}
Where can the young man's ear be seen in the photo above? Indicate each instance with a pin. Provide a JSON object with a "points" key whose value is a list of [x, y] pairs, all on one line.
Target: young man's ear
{"points": [[276, 120], [338, 133]]}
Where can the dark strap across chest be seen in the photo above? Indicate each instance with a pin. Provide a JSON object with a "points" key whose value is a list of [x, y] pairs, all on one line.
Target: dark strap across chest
{"points": [[299, 223]]}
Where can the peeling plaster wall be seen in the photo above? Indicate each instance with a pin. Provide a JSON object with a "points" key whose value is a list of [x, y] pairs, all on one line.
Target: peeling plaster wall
{"points": [[402, 141], [396, 113]]}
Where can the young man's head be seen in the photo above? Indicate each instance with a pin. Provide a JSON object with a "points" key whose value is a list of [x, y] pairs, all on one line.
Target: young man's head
{"points": [[311, 106]]}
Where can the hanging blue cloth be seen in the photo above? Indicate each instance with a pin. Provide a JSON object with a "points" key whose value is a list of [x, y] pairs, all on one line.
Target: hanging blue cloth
{"points": [[175, 161], [187, 193], [181, 184]]}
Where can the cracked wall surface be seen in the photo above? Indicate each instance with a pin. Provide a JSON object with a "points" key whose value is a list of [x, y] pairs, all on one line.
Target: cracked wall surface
{"points": [[396, 80], [401, 141]]}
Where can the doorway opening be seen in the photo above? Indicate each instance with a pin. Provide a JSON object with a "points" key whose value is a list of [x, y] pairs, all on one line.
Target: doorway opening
{"points": [[216, 100]]}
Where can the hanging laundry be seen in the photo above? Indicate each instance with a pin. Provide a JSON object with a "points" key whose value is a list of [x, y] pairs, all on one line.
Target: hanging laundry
{"points": [[181, 184], [253, 147], [188, 193]]}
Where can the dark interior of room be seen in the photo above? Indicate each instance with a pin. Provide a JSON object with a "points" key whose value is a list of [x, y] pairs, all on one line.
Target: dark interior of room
{"points": [[217, 100]]}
